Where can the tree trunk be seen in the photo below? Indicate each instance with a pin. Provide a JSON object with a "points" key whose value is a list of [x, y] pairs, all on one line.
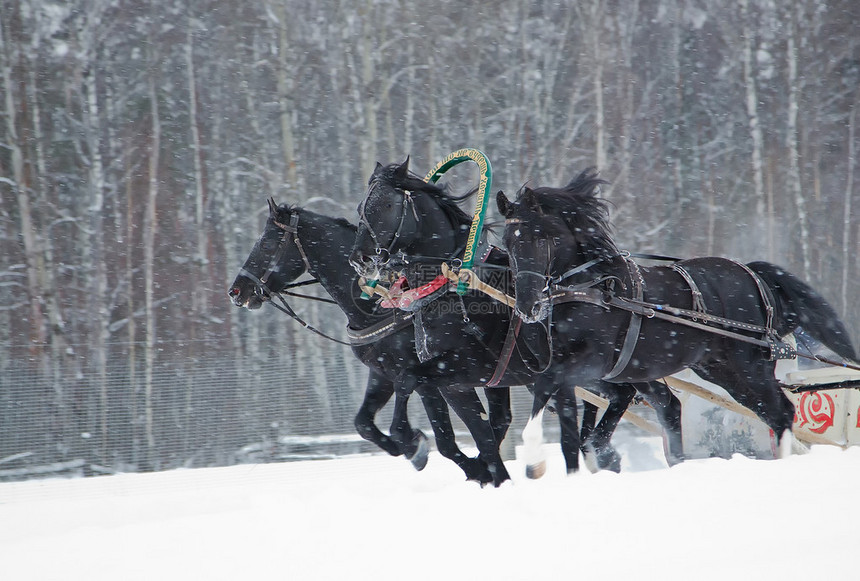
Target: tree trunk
{"points": [[94, 253], [199, 301], [285, 98], [149, 228], [753, 120], [131, 331], [794, 181], [21, 189], [366, 88], [847, 249], [600, 153]]}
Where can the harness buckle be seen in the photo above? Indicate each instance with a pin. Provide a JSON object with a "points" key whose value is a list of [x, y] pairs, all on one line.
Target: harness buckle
{"points": [[262, 292]]}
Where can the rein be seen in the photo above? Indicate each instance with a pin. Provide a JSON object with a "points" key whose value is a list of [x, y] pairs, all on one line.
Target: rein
{"points": [[288, 292], [286, 308]]}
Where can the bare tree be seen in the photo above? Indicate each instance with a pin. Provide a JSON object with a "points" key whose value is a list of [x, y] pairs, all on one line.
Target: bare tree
{"points": [[754, 120], [149, 230], [847, 250], [794, 181]]}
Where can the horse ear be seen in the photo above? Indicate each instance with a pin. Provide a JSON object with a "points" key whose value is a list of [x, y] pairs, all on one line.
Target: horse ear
{"points": [[528, 197], [402, 171], [273, 207], [375, 173], [503, 203]]}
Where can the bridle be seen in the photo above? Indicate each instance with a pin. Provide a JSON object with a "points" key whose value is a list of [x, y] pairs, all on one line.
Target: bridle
{"points": [[264, 293], [409, 203], [290, 235], [545, 276], [555, 282]]}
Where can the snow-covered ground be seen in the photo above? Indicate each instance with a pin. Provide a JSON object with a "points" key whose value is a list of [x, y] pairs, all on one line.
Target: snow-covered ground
{"points": [[374, 518]]}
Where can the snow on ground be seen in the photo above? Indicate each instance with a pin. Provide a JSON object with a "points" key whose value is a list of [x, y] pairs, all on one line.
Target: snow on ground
{"points": [[374, 518]]}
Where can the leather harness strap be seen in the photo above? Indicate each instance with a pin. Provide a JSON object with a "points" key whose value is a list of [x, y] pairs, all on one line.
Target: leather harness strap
{"points": [[379, 330], [507, 350], [691, 318], [764, 293], [698, 300], [632, 336]]}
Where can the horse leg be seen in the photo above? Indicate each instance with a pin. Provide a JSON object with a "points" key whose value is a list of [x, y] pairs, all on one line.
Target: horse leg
{"points": [[377, 393], [565, 405], [499, 404], [589, 419], [412, 442], [440, 420], [532, 434], [598, 451], [668, 409], [750, 380], [468, 407]]}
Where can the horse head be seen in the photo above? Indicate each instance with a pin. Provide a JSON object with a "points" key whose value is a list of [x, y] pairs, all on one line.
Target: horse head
{"points": [[529, 254], [387, 219], [548, 231], [275, 260], [401, 215]]}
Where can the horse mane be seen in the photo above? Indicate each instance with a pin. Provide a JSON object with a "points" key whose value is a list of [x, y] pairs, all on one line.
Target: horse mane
{"points": [[585, 215], [398, 176]]}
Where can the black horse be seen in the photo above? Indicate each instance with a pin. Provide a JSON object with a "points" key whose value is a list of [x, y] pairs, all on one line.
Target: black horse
{"points": [[381, 342], [409, 225], [296, 241], [613, 320]]}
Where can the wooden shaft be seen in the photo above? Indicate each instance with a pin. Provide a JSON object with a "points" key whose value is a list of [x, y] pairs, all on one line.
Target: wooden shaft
{"points": [[634, 419], [469, 277], [734, 406]]}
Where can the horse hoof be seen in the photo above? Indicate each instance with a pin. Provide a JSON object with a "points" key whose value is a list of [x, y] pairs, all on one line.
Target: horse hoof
{"points": [[786, 444], [535, 471], [476, 470], [609, 460], [422, 451], [499, 476], [605, 459]]}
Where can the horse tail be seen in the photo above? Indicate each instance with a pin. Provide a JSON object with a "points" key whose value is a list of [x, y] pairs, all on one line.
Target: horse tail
{"points": [[799, 305]]}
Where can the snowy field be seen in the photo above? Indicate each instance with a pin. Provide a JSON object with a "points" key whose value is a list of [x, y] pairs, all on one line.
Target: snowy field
{"points": [[374, 518]]}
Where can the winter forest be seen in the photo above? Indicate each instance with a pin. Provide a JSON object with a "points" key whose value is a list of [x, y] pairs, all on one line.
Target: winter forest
{"points": [[139, 142]]}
